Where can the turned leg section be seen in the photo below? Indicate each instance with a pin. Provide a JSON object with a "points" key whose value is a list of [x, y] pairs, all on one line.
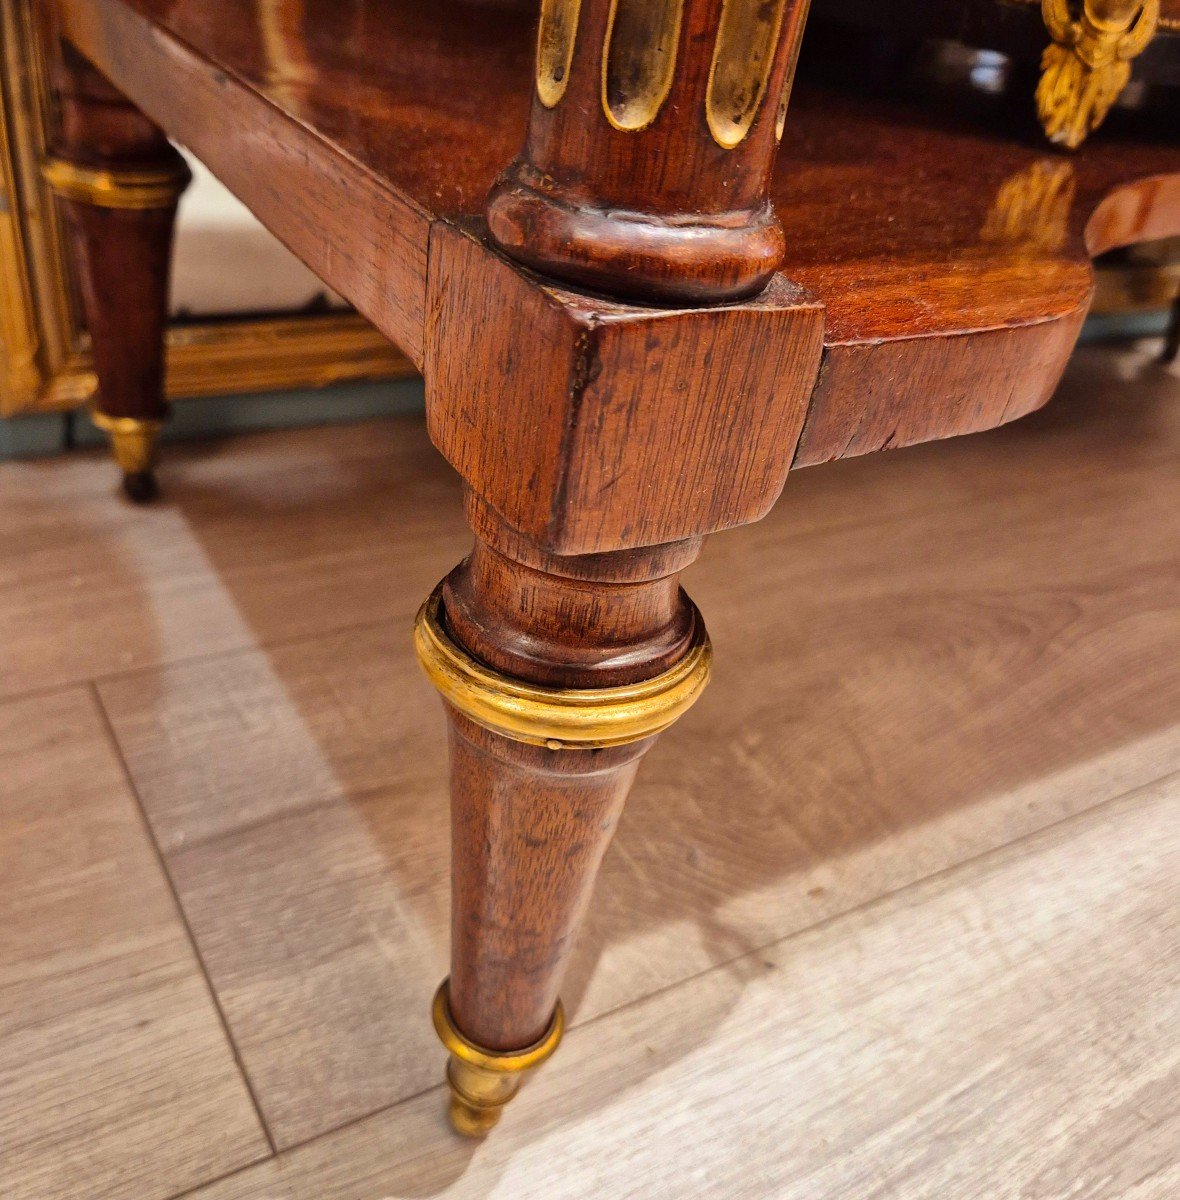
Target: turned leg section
{"points": [[529, 828], [595, 427], [118, 181], [558, 674]]}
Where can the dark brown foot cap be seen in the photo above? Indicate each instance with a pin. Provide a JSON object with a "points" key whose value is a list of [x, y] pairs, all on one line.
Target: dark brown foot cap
{"points": [[141, 486]]}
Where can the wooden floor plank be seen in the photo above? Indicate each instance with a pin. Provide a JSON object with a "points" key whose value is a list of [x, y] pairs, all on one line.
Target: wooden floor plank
{"points": [[116, 1078], [1006, 1029], [324, 933], [260, 539], [929, 661]]}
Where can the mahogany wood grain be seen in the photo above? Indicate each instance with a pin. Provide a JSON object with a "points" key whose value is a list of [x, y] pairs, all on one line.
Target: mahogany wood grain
{"points": [[529, 827], [573, 621], [887, 207], [607, 426], [122, 261], [957, 278], [530, 824], [122, 257]]}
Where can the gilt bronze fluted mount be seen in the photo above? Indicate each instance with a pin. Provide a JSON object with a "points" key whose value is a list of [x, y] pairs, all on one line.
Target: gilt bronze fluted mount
{"points": [[653, 132]]}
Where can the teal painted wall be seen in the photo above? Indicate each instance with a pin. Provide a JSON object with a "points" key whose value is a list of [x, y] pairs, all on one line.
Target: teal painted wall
{"points": [[32, 437]]}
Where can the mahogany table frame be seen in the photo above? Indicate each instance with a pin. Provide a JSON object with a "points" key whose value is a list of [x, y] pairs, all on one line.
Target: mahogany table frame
{"points": [[615, 364]]}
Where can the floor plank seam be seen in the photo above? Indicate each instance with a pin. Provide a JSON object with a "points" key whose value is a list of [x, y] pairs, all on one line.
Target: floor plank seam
{"points": [[754, 951], [46, 692], [213, 656], [360, 795], [303, 1143], [247, 1083], [883, 897]]}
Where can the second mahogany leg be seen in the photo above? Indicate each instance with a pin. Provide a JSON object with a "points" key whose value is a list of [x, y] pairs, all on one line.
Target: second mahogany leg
{"points": [[118, 181], [557, 676]]}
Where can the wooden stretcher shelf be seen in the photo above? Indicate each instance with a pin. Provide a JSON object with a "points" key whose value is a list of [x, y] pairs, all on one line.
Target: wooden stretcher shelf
{"points": [[912, 228]]}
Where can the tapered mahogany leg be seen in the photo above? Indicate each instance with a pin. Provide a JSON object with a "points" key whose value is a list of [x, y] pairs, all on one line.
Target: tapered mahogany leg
{"points": [[557, 674], [593, 426], [119, 180]]}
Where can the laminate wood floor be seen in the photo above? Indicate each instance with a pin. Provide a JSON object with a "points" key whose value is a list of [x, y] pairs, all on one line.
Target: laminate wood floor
{"points": [[116, 1077], [893, 913]]}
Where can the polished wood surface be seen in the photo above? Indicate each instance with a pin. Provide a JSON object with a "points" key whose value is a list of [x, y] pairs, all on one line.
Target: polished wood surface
{"points": [[698, 407], [530, 824], [567, 620], [930, 663], [122, 255], [889, 210], [529, 828], [621, 186], [934, 276]]}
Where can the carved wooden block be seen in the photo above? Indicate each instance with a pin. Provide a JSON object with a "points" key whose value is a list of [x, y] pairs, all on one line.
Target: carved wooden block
{"points": [[593, 425]]}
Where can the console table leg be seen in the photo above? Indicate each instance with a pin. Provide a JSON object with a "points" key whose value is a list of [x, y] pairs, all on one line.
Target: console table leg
{"points": [[645, 175], [557, 676], [118, 181]]}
